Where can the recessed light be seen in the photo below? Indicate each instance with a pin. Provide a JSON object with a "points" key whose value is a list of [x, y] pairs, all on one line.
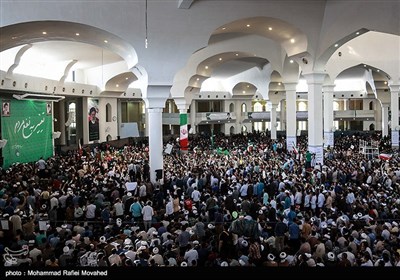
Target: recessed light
{"points": [[198, 79], [291, 61], [244, 91], [378, 70], [357, 33], [220, 58], [336, 45], [105, 41], [14, 37], [44, 32], [248, 86], [248, 25], [385, 83], [292, 41], [270, 28], [117, 85], [237, 54], [77, 34], [126, 78], [365, 65], [223, 28], [279, 83], [206, 67]]}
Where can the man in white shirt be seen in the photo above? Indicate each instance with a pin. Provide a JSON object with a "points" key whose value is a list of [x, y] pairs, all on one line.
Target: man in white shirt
{"points": [[191, 255], [147, 213]]}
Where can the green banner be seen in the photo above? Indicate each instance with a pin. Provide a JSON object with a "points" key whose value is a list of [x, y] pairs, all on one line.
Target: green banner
{"points": [[28, 131]]}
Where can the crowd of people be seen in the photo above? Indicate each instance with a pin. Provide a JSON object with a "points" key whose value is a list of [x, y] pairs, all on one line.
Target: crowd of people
{"points": [[242, 200]]}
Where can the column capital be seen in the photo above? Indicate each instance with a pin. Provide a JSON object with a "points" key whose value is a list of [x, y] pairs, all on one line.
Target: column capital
{"points": [[394, 87], [385, 105], [156, 96], [274, 105], [155, 110], [182, 105], [328, 88], [290, 86], [314, 77]]}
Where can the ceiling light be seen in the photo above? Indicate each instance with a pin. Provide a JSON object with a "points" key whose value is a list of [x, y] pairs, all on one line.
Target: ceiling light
{"points": [[292, 41], [44, 32], [14, 37], [248, 86], [126, 78], [105, 41], [365, 65], [357, 33], [291, 61], [237, 54], [117, 85], [223, 28], [77, 34], [197, 79], [248, 25], [244, 91], [206, 67], [336, 45], [220, 58], [270, 28], [378, 70], [279, 83], [385, 83]]}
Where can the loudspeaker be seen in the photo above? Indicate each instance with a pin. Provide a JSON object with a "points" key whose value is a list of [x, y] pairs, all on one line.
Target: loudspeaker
{"points": [[158, 174]]}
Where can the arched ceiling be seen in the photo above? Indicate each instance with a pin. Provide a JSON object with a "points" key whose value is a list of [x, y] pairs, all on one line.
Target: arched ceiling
{"points": [[183, 35]]}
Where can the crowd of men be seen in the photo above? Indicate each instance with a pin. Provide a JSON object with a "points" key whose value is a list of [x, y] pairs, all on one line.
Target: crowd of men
{"points": [[242, 200]]}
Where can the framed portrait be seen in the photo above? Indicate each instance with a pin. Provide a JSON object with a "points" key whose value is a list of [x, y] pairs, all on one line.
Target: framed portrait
{"points": [[5, 108]]}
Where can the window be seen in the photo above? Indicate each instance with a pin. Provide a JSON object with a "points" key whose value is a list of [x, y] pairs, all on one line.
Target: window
{"points": [[302, 106], [244, 108], [336, 106], [131, 111], [108, 112], [258, 107], [231, 107], [371, 106]]}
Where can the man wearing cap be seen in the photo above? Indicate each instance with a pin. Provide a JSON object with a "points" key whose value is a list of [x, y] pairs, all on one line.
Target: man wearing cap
{"points": [[158, 259]]}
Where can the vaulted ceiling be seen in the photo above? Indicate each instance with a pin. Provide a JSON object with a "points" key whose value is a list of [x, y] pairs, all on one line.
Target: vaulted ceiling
{"points": [[184, 36]]}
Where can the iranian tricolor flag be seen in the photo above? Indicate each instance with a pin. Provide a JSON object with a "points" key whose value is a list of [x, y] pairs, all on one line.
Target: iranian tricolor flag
{"points": [[183, 138], [385, 156]]}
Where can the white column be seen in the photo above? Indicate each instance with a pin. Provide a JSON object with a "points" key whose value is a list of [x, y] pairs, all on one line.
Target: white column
{"points": [[273, 121], [315, 130], [61, 121], [291, 121], [192, 117], [385, 119], [328, 115], [283, 114], [155, 98], [183, 107], [155, 141], [394, 107], [239, 117]]}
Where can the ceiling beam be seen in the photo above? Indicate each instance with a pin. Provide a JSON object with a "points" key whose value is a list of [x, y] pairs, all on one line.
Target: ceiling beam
{"points": [[185, 4]]}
